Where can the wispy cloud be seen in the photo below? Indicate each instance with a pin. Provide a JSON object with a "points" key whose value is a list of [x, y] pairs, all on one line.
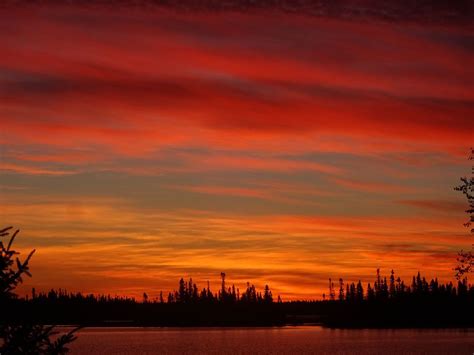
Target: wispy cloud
{"points": [[269, 143], [437, 205]]}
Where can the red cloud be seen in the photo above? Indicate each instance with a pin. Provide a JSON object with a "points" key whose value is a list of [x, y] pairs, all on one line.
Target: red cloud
{"points": [[245, 102], [129, 84]]}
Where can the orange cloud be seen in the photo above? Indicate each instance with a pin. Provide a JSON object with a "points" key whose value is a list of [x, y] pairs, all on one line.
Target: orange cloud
{"points": [[84, 242], [113, 120], [375, 187], [436, 205]]}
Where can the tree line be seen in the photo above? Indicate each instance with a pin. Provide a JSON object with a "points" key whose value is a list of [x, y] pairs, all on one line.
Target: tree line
{"points": [[386, 302], [383, 288], [396, 288], [187, 293]]}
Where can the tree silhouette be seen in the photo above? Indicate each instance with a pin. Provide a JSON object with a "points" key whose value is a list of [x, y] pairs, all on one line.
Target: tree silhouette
{"points": [[11, 277], [359, 292], [391, 303], [370, 293], [267, 296], [332, 292], [24, 338], [422, 303], [465, 259], [341, 290]]}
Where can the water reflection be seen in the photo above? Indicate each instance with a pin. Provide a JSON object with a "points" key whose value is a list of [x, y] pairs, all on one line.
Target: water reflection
{"points": [[284, 340]]}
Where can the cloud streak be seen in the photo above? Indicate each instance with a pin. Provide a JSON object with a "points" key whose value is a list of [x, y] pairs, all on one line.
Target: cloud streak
{"points": [[272, 142]]}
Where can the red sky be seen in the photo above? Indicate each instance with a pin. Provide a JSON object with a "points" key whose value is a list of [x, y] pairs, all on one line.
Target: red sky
{"points": [[140, 144]]}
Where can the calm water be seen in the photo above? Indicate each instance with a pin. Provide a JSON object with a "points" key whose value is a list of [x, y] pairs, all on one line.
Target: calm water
{"points": [[285, 340]]}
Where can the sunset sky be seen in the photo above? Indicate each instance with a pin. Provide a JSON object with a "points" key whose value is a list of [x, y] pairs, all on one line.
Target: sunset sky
{"points": [[140, 144]]}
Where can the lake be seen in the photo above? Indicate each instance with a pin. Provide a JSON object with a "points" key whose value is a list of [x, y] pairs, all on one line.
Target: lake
{"points": [[282, 340]]}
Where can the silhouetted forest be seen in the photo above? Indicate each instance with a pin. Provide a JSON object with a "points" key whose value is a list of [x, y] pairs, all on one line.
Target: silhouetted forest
{"points": [[387, 302], [394, 303]]}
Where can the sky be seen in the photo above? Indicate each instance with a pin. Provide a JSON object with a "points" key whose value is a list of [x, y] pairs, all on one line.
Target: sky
{"points": [[282, 145]]}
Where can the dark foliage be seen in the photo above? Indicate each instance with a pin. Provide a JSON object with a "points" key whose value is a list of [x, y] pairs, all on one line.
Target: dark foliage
{"points": [[35, 339], [11, 277], [188, 306], [27, 336], [466, 258], [387, 302], [393, 303]]}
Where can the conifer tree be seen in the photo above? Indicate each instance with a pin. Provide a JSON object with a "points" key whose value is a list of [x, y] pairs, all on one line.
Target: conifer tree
{"points": [[24, 338], [465, 259]]}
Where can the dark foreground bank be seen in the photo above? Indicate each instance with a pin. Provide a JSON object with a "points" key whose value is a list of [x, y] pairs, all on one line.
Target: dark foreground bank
{"points": [[435, 312]]}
